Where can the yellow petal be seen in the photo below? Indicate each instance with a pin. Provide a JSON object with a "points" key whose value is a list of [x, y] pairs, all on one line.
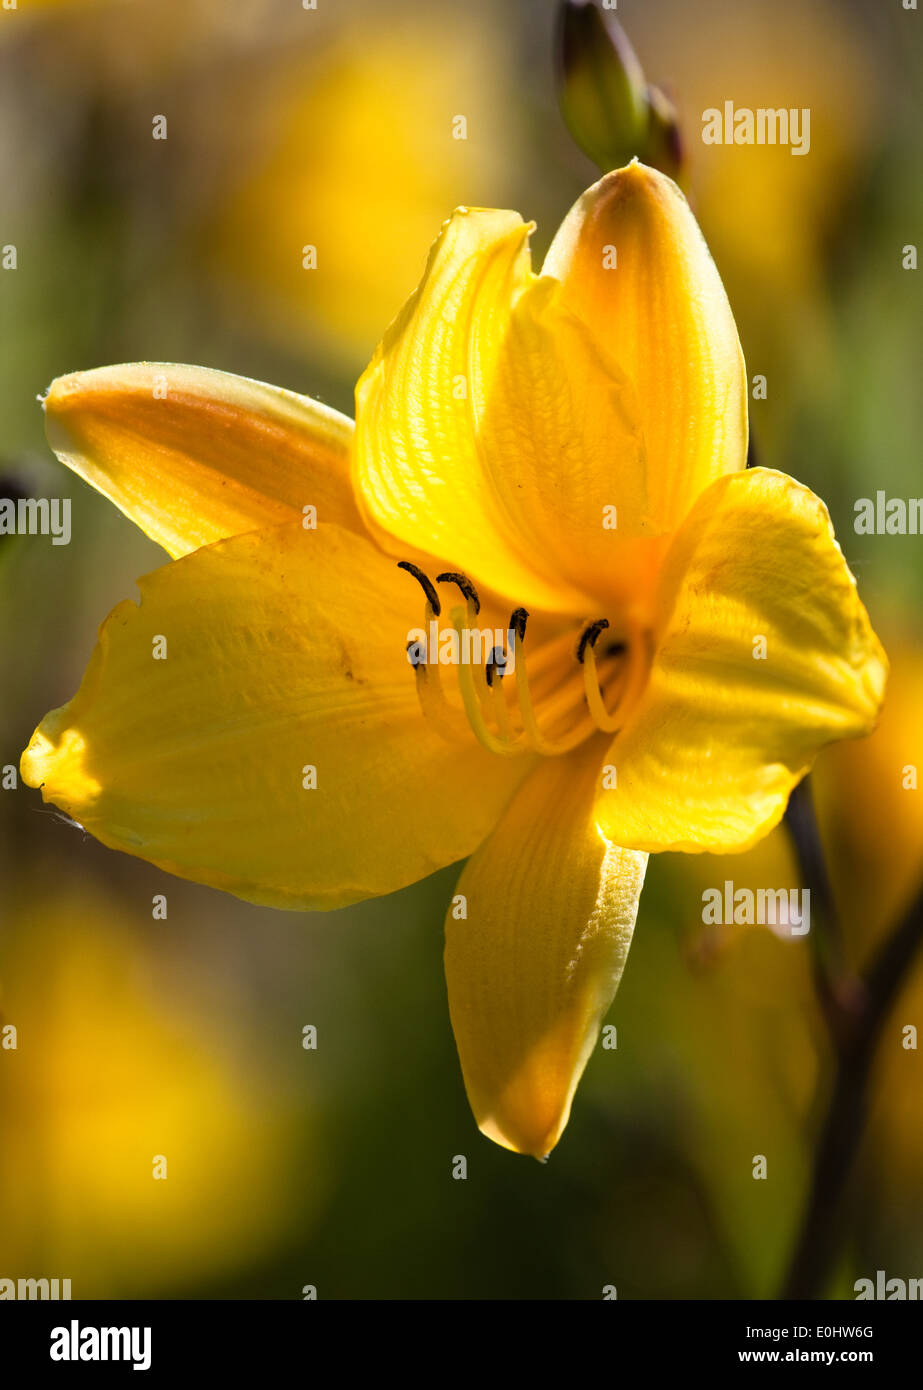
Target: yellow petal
{"points": [[562, 456], [194, 455], [764, 654], [285, 651], [443, 448], [662, 311], [534, 966]]}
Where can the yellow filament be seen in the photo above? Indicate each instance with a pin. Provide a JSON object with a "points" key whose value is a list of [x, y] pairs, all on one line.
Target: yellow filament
{"points": [[638, 658], [472, 702], [501, 710], [433, 703], [485, 697], [539, 741], [601, 716]]}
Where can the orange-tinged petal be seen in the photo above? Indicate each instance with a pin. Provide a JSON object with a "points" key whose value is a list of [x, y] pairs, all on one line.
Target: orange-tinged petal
{"points": [[534, 965], [283, 652], [194, 455], [635, 267], [763, 654]]}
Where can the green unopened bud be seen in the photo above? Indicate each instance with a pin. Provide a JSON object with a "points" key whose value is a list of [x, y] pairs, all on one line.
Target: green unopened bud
{"points": [[601, 85], [609, 108]]}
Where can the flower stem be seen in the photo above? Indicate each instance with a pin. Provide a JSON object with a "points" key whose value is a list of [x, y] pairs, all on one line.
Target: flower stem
{"points": [[855, 1047], [839, 992]]}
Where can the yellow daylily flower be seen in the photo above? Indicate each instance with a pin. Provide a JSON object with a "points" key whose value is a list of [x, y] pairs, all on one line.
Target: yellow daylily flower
{"points": [[563, 455]]}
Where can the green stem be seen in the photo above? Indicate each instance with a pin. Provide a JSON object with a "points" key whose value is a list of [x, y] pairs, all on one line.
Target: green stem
{"points": [[838, 990], [855, 1046]]}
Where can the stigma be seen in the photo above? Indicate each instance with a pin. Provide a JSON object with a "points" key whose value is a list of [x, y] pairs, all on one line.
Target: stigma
{"points": [[571, 685]]}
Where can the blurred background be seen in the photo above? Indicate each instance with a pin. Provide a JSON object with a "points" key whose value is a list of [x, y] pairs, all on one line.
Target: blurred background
{"points": [[139, 1037]]}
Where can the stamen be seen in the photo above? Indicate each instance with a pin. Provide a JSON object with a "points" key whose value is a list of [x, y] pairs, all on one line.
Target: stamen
{"points": [[601, 716], [473, 704], [639, 655], [464, 583], [479, 675], [501, 710], [571, 707], [433, 703], [496, 663], [517, 623], [590, 636], [432, 597], [536, 738]]}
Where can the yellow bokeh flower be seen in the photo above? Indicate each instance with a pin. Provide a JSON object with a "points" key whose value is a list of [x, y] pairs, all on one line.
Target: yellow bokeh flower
{"points": [[378, 116], [679, 636], [137, 1155]]}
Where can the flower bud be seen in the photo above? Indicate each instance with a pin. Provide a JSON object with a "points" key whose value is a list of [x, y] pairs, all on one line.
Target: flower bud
{"points": [[610, 110], [601, 84]]}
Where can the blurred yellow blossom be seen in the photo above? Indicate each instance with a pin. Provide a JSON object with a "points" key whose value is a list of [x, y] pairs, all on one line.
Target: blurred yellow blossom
{"points": [[105, 1078], [359, 156]]}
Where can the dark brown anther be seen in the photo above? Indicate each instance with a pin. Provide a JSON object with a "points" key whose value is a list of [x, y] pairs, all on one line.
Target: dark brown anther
{"points": [[431, 596], [464, 583], [517, 623], [590, 636]]}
